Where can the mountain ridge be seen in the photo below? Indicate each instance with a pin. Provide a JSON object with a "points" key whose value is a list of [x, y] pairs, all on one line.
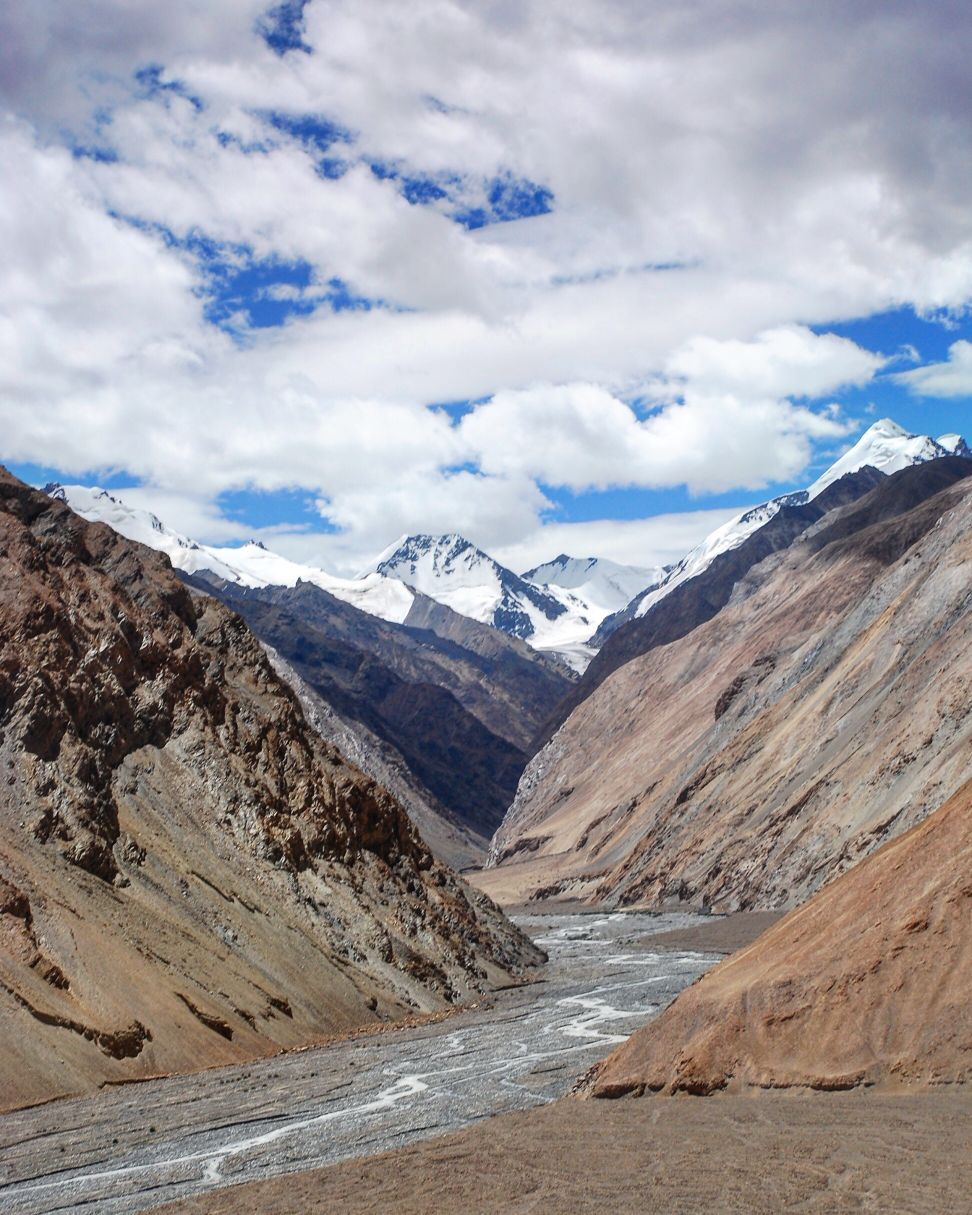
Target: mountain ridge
{"points": [[884, 446], [697, 599], [734, 767], [866, 984], [169, 815]]}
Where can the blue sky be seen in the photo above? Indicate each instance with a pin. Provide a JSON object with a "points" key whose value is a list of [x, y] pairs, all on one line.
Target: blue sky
{"points": [[252, 251]]}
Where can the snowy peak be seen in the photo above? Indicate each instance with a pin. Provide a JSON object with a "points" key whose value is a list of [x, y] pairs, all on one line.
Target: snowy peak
{"points": [[428, 562], [955, 445], [887, 447], [455, 572], [252, 564], [604, 585], [556, 606], [99, 506], [103, 504]]}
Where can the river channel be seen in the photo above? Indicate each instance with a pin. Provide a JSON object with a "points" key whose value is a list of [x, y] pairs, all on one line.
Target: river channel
{"points": [[131, 1148]]}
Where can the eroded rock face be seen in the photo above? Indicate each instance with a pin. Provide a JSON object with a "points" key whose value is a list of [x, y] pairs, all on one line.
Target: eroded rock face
{"points": [[451, 703], [183, 857], [822, 711], [867, 983]]}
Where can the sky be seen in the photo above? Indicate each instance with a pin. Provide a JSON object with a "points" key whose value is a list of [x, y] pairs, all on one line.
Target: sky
{"points": [[581, 278]]}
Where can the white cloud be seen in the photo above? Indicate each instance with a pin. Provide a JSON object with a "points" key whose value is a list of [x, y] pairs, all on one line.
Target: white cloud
{"points": [[660, 540], [724, 176], [579, 436], [953, 378], [724, 421], [790, 360]]}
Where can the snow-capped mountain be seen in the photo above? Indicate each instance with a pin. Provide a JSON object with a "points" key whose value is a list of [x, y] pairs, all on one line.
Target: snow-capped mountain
{"points": [[567, 605], [605, 586], [448, 568], [888, 447], [99, 506], [955, 445], [885, 446], [250, 565], [452, 571]]}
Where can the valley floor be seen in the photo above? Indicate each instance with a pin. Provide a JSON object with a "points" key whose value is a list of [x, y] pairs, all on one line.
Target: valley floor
{"points": [[130, 1149], [908, 1154], [461, 1115]]}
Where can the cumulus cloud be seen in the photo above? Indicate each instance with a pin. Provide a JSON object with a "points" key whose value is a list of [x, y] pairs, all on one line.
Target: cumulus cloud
{"points": [[581, 437], [726, 421], [722, 177], [790, 360], [953, 378]]}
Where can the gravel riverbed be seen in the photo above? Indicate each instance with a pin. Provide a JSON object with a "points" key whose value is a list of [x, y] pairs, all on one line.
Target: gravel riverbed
{"points": [[132, 1148]]}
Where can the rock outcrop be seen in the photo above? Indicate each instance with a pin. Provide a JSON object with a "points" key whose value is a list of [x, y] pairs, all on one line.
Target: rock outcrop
{"points": [[867, 984], [451, 701], [189, 874], [822, 711]]}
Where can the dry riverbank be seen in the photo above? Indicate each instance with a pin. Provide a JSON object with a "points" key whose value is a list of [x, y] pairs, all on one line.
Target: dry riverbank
{"points": [[822, 1153]]}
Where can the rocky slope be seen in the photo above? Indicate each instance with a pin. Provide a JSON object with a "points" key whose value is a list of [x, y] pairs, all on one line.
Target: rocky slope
{"points": [[697, 599], [457, 717], [516, 683], [189, 875], [505, 685], [868, 983], [822, 711], [448, 838]]}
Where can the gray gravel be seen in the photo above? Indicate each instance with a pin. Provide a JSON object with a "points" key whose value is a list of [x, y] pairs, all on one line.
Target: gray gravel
{"points": [[133, 1148]]}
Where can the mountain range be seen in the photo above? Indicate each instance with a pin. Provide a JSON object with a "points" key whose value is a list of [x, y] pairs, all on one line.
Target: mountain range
{"points": [[885, 446], [555, 608], [245, 784], [443, 672], [566, 607]]}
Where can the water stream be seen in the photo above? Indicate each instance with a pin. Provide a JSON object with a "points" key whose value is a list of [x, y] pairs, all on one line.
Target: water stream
{"points": [[128, 1149]]}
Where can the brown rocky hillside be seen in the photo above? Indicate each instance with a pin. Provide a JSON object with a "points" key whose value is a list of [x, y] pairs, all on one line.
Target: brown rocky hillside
{"points": [[189, 874], [868, 983]]}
